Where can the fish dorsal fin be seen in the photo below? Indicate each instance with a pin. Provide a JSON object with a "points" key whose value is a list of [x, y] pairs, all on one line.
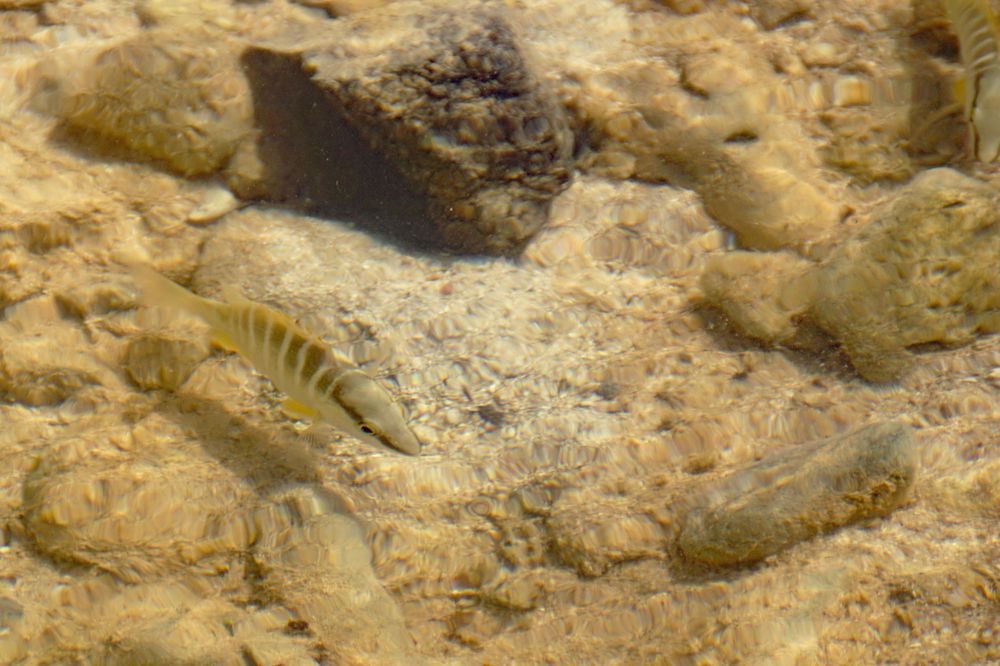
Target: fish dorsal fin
{"points": [[233, 296], [291, 324]]}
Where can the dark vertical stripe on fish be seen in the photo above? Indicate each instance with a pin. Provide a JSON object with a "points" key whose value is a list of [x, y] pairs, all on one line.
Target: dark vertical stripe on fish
{"points": [[312, 364], [262, 335], [295, 355], [326, 379], [337, 390], [246, 331], [281, 351], [226, 321]]}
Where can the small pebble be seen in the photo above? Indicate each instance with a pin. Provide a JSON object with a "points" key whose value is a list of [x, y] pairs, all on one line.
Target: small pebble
{"points": [[852, 91], [214, 204]]}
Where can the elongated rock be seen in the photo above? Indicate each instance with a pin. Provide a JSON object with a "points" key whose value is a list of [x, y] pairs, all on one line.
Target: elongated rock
{"points": [[314, 558], [793, 495]]}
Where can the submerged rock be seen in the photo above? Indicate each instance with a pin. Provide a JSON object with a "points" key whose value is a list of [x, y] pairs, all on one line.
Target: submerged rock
{"points": [[314, 559], [176, 98], [44, 358], [923, 272], [165, 353], [772, 13], [870, 147], [454, 108], [449, 138], [591, 542], [12, 647], [710, 125], [87, 501], [153, 362], [177, 621], [759, 291], [148, 507], [172, 624], [793, 495]]}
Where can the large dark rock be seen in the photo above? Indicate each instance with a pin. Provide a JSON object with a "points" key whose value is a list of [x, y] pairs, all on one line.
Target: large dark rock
{"points": [[435, 93]]}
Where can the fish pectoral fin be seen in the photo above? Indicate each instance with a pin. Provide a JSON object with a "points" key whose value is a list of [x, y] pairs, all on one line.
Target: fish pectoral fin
{"points": [[315, 437], [318, 433], [295, 409], [222, 339]]}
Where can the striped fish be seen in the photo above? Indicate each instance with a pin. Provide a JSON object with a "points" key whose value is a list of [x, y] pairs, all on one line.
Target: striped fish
{"points": [[320, 383], [979, 40]]}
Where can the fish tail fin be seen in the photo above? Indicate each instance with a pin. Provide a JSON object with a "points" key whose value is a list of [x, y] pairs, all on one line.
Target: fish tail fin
{"points": [[158, 290]]}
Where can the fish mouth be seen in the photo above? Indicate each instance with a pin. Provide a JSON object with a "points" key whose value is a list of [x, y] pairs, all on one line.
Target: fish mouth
{"points": [[407, 448], [408, 445]]}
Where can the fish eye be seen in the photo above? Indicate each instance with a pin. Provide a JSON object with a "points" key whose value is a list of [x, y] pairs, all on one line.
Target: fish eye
{"points": [[367, 429]]}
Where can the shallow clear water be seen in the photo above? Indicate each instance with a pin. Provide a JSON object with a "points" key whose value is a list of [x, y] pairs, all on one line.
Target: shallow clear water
{"points": [[692, 306]]}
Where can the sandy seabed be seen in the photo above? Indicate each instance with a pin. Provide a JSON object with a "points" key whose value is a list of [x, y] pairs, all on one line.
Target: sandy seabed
{"points": [[157, 507]]}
